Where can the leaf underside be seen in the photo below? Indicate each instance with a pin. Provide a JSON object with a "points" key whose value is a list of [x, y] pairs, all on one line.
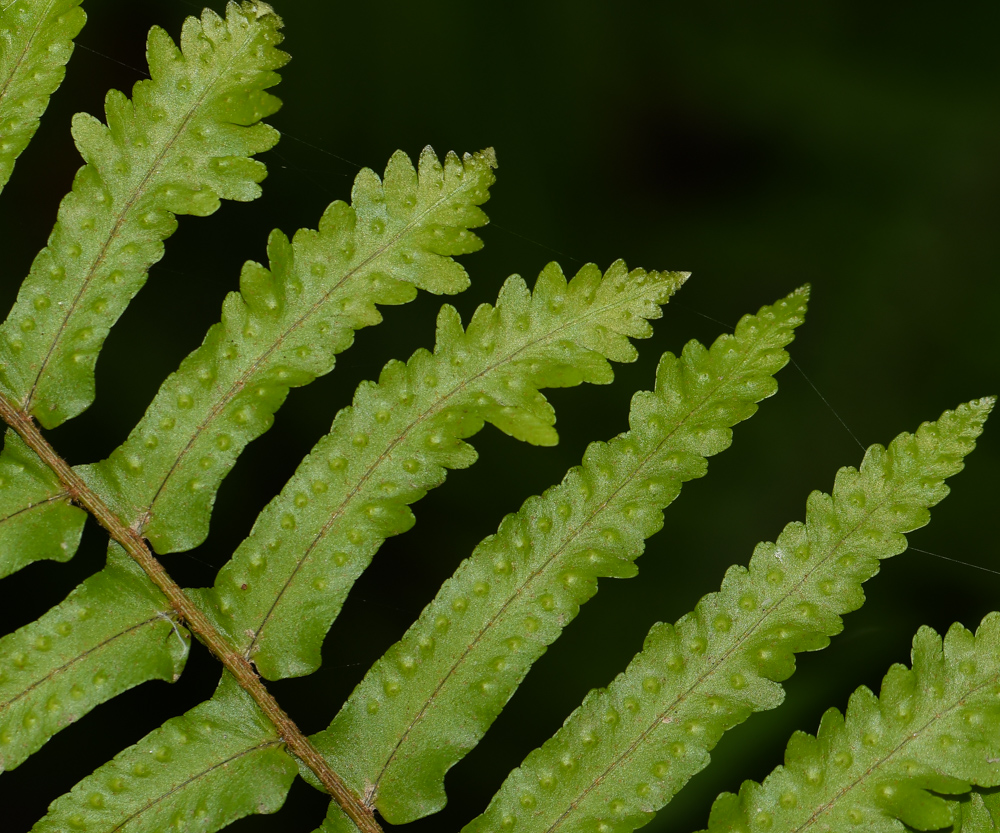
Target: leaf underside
{"points": [[286, 583], [179, 146], [37, 519], [629, 748], [336, 821], [924, 755], [36, 42], [284, 328], [434, 694], [220, 761], [981, 814], [112, 633], [897, 761]]}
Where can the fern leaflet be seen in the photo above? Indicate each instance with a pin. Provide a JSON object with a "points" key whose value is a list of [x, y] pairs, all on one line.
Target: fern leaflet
{"points": [[933, 732], [434, 694], [36, 42], [980, 814], [278, 596], [925, 755], [284, 328], [113, 632], [180, 145], [337, 821], [37, 519], [628, 749], [201, 771]]}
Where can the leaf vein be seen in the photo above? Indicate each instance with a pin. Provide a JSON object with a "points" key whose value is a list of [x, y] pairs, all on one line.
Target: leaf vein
{"points": [[134, 197], [30, 506], [188, 781], [79, 658], [892, 753], [240, 383], [708, 673], [622, 299], [27, 46], [584, 524]]}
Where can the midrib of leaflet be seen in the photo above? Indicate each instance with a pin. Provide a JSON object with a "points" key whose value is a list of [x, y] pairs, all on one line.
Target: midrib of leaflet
{"points": [[62, 495], [80, 657], [911, 737], [246, 377], [193, 779], [241, 673], [669, 716], [498, 617], [137, 192], [399, 438], [28, 41]]}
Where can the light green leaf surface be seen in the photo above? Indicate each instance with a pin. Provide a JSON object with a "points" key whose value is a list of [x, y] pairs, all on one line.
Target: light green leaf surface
{"points": [[981, 814], [434, 694], [629, 748], [284, 328], [179, 146], [889, 765], [112, 633], [336, 821], [286, 583], [36, 42], [37, 519], [217, 763]]}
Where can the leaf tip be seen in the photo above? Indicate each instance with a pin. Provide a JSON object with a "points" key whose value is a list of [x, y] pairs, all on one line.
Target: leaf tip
{"points": [[489, 155], [977, 409], [260, 10]]}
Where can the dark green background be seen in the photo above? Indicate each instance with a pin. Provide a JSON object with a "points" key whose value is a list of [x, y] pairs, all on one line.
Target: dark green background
{"points": [[853, 145]]}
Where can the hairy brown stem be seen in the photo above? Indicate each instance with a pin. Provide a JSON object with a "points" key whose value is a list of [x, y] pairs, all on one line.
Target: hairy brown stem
{"points": [[136, 546]]}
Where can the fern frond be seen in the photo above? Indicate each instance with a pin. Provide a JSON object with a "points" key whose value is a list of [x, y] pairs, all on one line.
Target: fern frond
{"points": [[629, 748], [217, 763], [36, 42], [112, 633], [180, 145], [37, 519], [286, 583], [284, 328], [438, 690], [887, 766]]}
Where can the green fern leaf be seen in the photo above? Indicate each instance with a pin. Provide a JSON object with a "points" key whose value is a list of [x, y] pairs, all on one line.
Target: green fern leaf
{"points": [[629, 748], [180, 145], [36, 42], [283, 330], [976, 818], [438, 690], [980, 815], [37, 519], [112, 633], [886, 767], [337, 821], [286, 583], [201, 771]]}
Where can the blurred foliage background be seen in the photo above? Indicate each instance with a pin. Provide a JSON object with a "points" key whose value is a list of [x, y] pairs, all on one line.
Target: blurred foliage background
{"points": [[849, 144]]}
